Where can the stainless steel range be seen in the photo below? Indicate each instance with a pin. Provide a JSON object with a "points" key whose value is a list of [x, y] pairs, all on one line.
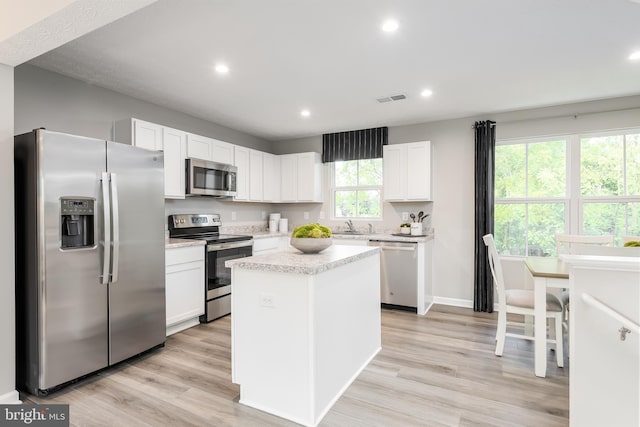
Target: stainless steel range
{"points": [[220, 248]]}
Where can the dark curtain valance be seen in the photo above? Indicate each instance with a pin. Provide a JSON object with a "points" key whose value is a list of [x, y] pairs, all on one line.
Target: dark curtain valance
{"points": [[485, 141], [354, 145]]}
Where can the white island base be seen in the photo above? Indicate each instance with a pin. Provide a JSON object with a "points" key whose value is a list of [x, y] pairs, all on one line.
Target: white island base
{"points": [[303, 328]]}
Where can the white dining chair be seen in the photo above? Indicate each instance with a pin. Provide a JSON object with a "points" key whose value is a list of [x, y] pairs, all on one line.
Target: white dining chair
{"points": [[521, 301], [565, 242], [575, 244]]}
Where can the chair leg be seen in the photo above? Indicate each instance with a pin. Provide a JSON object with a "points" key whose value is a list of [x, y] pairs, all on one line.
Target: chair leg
{"points": [[501, 332], [559, 340]]}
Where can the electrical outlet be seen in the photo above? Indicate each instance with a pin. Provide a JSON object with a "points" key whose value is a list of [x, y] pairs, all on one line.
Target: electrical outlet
{"points": [[306, 215], [321, 215], [405, 216], [233, 216], [264, 215], [267, 300]]}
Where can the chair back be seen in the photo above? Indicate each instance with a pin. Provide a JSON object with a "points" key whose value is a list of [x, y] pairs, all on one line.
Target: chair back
{"points": [[496, 267], [564, 242]]}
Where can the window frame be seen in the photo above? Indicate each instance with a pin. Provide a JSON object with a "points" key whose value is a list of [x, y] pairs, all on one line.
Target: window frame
{"points": [[333, 188], [573, 200]]}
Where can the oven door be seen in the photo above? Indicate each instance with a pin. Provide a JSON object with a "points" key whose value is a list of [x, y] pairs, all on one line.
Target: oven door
{"points": [[205, 178], [219, 276]]}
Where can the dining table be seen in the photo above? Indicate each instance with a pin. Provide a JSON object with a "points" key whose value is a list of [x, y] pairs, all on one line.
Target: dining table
{"points": [[547, 272]]}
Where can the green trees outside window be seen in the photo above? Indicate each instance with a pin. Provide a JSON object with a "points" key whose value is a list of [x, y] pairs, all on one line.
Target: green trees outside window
{"points": [[358, 189]]}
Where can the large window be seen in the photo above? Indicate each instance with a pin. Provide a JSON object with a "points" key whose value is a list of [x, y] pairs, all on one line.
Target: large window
{"points": [[580, 184], [531, 196], [357, 189]]}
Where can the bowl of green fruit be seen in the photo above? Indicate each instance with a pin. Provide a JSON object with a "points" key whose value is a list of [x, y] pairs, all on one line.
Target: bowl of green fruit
{"points": [[311, 238]]}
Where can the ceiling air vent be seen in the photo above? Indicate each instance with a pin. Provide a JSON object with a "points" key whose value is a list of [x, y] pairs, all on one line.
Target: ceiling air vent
{"points": [[398, 97]]}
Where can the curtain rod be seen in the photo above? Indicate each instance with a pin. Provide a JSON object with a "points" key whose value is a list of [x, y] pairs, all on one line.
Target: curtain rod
{"points": [[574, 116]]}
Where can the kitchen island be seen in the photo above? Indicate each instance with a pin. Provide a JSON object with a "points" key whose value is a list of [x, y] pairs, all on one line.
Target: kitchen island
{"points": [[303, 326]]}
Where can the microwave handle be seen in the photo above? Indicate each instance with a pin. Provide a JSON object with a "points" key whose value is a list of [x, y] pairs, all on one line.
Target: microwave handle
{"points": [[231, 181]]}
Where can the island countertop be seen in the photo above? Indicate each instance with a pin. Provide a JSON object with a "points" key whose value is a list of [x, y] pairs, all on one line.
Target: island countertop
{"points": [[293, 261]]}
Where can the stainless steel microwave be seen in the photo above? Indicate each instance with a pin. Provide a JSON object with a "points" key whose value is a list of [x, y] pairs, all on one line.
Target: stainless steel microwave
{"points": [[206, 178]]}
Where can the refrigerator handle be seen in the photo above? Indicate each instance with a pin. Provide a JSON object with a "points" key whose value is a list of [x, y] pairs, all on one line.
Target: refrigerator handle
{"points": [[106, 260], [116, 228]]}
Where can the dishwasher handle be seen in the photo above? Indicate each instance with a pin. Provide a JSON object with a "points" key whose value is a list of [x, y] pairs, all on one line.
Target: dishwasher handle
{"points": [[394, 246]]}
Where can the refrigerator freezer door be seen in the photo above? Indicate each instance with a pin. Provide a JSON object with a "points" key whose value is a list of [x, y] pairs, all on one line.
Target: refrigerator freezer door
{"points": [[72, 303], [137, 316]]}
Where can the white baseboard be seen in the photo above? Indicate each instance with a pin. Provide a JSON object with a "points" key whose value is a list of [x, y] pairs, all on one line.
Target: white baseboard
{"points": [[456, 302], [11, 398]]}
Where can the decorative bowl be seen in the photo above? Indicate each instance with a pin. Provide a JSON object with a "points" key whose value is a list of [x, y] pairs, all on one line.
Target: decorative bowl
{"points": [[310, 245]]}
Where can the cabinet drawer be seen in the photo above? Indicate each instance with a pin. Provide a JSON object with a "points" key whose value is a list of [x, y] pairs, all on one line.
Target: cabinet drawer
{"points": [[183, 255], [266, 244]]}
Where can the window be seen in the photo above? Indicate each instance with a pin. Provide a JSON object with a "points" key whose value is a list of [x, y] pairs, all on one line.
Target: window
{"points": [[610, 184], [531, 196], [357, 189], [581, 184]]}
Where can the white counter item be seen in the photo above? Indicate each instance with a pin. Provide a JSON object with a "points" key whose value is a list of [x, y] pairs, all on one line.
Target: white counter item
{"points": [[284, 225], [274, 216], [273, 225], [405, 230], [416, 228]]}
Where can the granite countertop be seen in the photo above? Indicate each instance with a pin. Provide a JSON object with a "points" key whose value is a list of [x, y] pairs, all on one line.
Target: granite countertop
{"points": [[385, 237], [293, 261], [180, 243]]}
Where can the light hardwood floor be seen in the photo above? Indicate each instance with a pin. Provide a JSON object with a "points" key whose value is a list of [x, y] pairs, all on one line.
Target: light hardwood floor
{"points": [[437, 370]]}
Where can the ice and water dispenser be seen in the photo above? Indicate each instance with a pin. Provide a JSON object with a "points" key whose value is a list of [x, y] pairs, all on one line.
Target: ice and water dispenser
{"points": [[76, 222]]}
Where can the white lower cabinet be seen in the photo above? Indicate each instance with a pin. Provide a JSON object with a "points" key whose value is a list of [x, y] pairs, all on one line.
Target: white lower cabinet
{"points": [[184, 287], [267, 245]]}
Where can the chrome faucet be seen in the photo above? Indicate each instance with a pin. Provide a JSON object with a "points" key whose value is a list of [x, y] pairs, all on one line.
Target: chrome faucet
{"points": [[350, 227]]}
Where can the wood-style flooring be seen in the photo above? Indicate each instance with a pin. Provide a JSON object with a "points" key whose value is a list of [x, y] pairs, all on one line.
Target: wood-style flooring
{"points": [[436, 370]]}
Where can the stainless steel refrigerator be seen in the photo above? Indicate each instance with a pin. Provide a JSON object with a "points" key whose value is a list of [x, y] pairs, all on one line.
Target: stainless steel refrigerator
{"points": [[90, 275]]}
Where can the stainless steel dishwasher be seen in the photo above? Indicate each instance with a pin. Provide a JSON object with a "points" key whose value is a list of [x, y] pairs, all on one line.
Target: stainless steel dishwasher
{"points": [[398, 274]]}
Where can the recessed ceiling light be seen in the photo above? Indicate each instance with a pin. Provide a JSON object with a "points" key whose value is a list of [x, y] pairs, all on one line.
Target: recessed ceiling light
{"points": [[426, 93], [305, 113], [390, 26], [222, 69], [635, 56]]}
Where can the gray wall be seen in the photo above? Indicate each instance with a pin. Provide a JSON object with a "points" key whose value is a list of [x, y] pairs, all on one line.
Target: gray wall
{"points": [[7, 281], [51, 100]]}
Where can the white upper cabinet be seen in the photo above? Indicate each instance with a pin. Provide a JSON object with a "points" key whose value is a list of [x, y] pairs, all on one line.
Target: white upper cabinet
{"points": [[175, 152], [407, 172], [151, 136], [199, 147], [301, 177], [271, 174], [147, 135], [241, 161], [256, 177], [202, 147], [222, 152]]}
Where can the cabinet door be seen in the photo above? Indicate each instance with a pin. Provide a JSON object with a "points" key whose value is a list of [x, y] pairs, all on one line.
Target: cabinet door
{"points": [[394, 175], [147, 135], [175, 151], [271, 180], [255, 175], [289, 178], [418, 171], [241, 161], [199, 147], [185, 284], [222, 152], [309, 177]]}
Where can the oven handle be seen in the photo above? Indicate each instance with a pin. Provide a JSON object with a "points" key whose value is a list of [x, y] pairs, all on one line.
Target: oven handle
{"points": [[228, 245]]}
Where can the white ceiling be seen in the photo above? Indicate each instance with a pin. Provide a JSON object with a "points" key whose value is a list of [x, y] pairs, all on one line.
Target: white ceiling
{"points": [[330, 56]]}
